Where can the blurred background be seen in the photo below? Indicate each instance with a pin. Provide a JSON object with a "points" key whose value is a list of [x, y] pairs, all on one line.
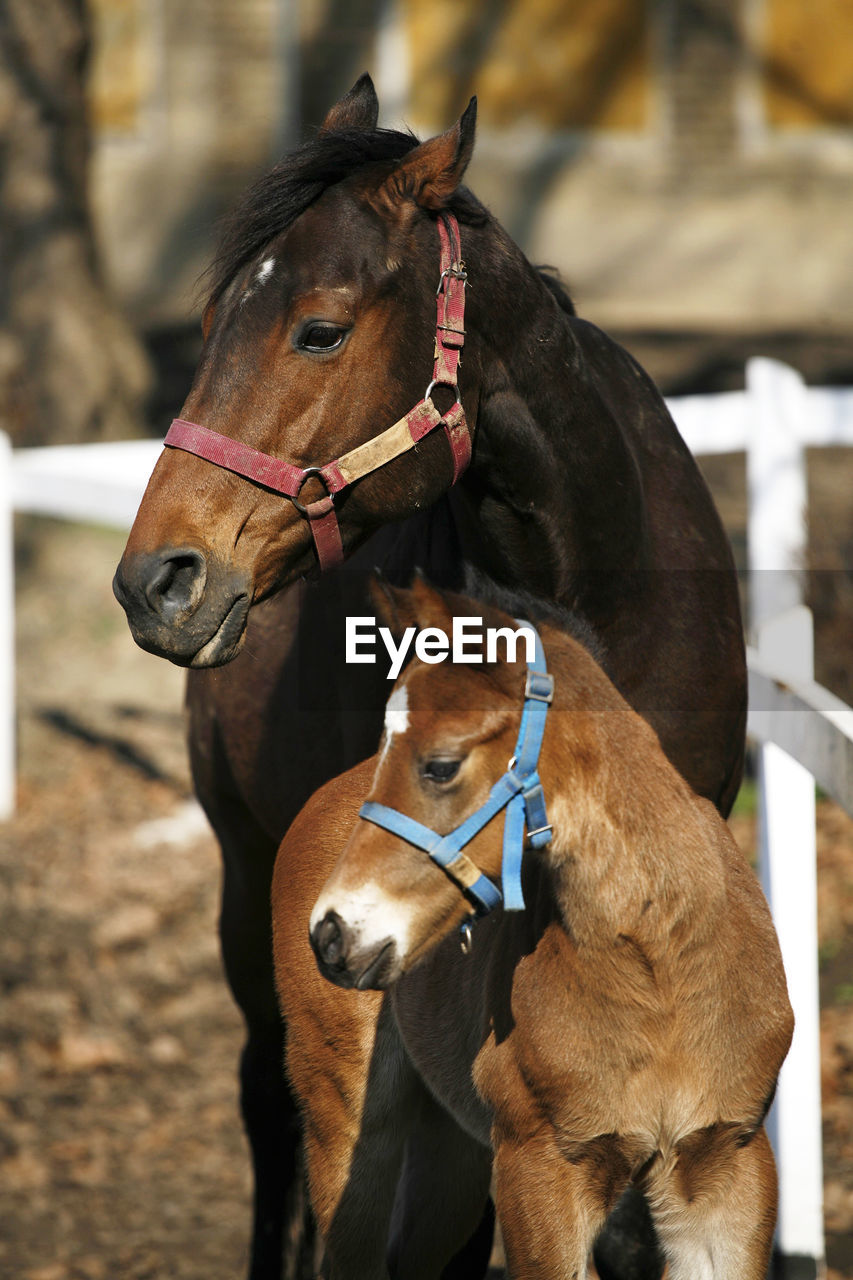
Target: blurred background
{"points": [[687, 165]]}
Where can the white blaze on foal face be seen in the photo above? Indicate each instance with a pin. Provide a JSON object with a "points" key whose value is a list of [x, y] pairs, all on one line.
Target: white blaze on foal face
{"points": [[371, 915], [396, 716]]}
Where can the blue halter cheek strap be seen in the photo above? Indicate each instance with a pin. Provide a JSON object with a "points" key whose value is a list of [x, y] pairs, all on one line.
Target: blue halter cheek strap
{"points": [[519, 791]]}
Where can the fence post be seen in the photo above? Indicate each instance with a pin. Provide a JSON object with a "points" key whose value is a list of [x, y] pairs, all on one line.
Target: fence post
{"points": [[788, 858], [776, 487], [7, 634], [783, 635]]}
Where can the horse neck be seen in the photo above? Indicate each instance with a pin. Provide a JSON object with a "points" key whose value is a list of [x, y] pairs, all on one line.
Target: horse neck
{"points": [[635, 854], [553, 488]]}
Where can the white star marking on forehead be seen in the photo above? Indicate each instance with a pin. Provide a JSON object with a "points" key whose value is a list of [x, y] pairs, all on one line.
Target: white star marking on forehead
{"points": [[265, 270], [397, 711]]}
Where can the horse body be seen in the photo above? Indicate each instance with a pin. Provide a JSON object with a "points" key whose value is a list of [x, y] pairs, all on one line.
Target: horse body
{"points": [[580, 491], [629, 1026]]}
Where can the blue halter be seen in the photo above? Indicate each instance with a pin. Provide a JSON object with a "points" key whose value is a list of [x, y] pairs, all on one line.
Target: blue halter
{"points": [[519, 791]]}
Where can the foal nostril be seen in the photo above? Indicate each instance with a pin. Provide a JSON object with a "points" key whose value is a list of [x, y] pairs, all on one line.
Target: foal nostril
{"points": [[177, 583], [328, 940]]}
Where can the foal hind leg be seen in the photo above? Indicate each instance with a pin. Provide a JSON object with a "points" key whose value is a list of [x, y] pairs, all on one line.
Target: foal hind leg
{"points": [[628, 1248], [714, 1205]]}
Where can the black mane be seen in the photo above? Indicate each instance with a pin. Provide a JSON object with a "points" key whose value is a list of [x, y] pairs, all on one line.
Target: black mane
{"points": [[278, 198]]}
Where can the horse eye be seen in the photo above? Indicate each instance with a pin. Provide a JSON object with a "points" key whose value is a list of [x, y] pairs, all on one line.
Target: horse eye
{"points": [[321, 337], [441, 770]]}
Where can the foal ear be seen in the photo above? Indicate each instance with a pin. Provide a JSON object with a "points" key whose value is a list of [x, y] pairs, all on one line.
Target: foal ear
{"points": [[431, 607], [430, 174], [394, 606], [358, 109]]}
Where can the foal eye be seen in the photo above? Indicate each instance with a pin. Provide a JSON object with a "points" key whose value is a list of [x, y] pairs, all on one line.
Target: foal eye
{"points": [[321, 336], [441, 770]]}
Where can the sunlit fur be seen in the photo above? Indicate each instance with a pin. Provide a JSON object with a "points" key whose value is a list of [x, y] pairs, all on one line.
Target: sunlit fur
{"points": [[627, 1027]]}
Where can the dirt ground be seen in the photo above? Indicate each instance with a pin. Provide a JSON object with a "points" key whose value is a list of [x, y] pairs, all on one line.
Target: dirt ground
{"points": [[121, 1152]]}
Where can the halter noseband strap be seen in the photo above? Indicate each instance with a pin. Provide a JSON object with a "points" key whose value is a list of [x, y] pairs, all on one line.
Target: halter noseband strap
{"points": [[288, 480], [519, 791]]}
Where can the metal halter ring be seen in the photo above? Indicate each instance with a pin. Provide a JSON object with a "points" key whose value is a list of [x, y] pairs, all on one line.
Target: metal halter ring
{"points": [[466, 937], [436, 382], [306, 475]]}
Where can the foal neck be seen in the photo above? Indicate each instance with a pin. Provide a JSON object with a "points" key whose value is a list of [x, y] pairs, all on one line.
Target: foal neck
{"points": [[635, 854]]}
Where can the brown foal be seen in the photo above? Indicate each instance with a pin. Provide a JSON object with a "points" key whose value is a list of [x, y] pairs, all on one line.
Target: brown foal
{"points": [[627, 1027]]}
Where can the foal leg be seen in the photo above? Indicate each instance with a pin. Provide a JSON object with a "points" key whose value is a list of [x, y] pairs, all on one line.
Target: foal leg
{"points": [[552, 1204], [714, 1205]]}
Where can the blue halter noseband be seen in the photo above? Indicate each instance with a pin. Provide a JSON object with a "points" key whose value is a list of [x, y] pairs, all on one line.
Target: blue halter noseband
{"points": [[519, 791]]}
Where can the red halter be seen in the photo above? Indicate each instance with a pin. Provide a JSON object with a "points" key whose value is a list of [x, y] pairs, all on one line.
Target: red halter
{"points": [[287, 479]]}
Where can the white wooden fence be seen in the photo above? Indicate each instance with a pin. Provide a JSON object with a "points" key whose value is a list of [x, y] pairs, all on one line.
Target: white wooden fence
{"points": [[804, 732]]}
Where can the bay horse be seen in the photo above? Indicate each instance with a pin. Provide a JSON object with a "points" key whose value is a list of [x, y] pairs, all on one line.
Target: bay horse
{"points": [[624, 1024], [320, 335]]}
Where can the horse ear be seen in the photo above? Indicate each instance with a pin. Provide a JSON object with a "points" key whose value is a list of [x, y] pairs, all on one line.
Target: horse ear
{"points": [[207, 318], [358, 109], [430, 173]]}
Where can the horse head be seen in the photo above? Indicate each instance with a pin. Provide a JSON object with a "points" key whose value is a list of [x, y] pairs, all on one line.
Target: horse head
{"points": [[318, 335]]}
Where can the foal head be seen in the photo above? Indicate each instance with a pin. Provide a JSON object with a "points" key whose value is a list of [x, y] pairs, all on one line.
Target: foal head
{"points": [[450, 733], [319, 334]]}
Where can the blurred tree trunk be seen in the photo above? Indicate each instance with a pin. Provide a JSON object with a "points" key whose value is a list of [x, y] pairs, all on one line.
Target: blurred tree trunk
{"points": [[70, 366]]}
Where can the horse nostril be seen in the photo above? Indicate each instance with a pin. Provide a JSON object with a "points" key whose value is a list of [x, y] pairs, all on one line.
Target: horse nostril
{"points": [[328, 940], [177, 584]]}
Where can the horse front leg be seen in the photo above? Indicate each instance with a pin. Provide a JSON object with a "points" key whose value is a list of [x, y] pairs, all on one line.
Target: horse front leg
{"points": [[552, 1204], [443, 1219], [282, 1240]]}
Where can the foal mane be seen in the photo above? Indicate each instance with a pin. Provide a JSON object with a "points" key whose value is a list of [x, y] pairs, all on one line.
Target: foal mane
{"points": [[282, 194], [519, 603]]}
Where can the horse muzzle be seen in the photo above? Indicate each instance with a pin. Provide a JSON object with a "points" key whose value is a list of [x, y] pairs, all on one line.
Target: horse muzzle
{"points": [[182, 606], [343, 960]]}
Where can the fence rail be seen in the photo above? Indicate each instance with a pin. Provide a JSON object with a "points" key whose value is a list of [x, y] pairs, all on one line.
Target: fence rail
{"points": [[804, 731]]}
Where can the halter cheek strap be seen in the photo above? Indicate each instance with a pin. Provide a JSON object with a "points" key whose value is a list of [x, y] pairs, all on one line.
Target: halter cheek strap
{"points": [[287, 479], [519, 791]]}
